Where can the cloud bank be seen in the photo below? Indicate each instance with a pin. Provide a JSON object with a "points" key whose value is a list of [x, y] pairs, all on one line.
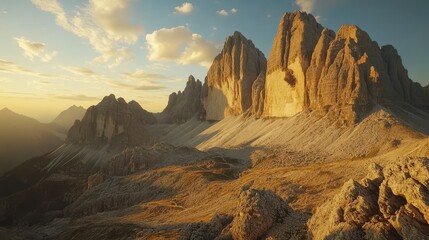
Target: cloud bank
{"points": [[104, 23], [179, 44]]}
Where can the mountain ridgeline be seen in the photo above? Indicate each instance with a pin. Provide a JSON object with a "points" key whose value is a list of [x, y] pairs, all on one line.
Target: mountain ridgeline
{"points": [[310, 68], [114, 122]]}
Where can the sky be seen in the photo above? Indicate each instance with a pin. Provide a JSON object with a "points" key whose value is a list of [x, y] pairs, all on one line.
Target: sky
{"points": [[58, 53]]}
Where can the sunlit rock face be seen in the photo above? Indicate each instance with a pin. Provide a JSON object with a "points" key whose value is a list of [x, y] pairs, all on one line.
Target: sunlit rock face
{"points": [[228, 87], [389, 203], [312, 68], [112, 121], [289, 59]]}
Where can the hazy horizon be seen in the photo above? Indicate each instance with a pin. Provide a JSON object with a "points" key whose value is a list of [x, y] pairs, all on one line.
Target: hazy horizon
{"points": [[126, 49]]}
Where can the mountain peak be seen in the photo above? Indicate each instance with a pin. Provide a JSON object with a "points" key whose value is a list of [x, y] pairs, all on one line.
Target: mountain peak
{"points": [[353, 32], [184, 105], [67, 117], [109, 98], [238, 35], [6, 110], [312, 68], [228, 86], [113, 122]]}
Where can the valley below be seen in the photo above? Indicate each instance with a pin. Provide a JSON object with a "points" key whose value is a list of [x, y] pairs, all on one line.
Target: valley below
{"points": [[192, 184]]}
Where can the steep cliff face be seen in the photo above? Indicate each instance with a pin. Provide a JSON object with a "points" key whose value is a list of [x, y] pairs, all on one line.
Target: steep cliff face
{"points": [[114, 122], [356, 74], [311, 68], [228, 89], [290, 56], [406, 89], [184, 105], [353, 77], [258, 95]]}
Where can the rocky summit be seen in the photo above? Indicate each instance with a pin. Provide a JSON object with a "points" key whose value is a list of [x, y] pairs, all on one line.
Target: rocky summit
{"points": [[184, 105], [313, 68], [112, 121], [228, 86]]}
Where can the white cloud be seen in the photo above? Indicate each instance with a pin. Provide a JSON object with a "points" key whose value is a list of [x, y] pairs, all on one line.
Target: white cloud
{"points": [[225, 13], [103, 23], [111, 15], [307, 6], [181, 45], [35, 49], [199, 51], [222, 12], [185, 8]]}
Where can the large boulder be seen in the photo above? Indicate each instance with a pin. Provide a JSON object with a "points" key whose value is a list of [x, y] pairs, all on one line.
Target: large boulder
{"points": [[257, 212]]}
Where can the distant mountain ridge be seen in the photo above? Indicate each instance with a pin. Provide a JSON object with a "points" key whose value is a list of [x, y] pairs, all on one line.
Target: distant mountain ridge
{"points": [[114, 122], [67, 117], [22, 137]]}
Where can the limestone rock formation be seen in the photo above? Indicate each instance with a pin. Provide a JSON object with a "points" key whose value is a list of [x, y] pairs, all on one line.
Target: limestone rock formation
{"points": [[228, 89], [184, 105], [390, 203], [311, 68], [258, 95], [114, 122], [407, 90], [257, 212], [290, 56]]}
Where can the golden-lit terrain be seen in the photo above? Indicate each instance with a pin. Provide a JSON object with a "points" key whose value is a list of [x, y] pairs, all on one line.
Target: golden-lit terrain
{"points": [[326, 137]]}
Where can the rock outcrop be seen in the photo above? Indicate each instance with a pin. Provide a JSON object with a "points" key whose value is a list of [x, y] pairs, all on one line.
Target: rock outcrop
{"points": [[228, 86], [114, 122], [311, 68], [390, 203], [258, 95], [257, 212], [290, 56], [182, 106], [211, 230]]}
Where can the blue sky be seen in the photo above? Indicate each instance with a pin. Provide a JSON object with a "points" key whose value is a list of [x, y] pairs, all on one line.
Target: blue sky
{"points": [[56, 53]]}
